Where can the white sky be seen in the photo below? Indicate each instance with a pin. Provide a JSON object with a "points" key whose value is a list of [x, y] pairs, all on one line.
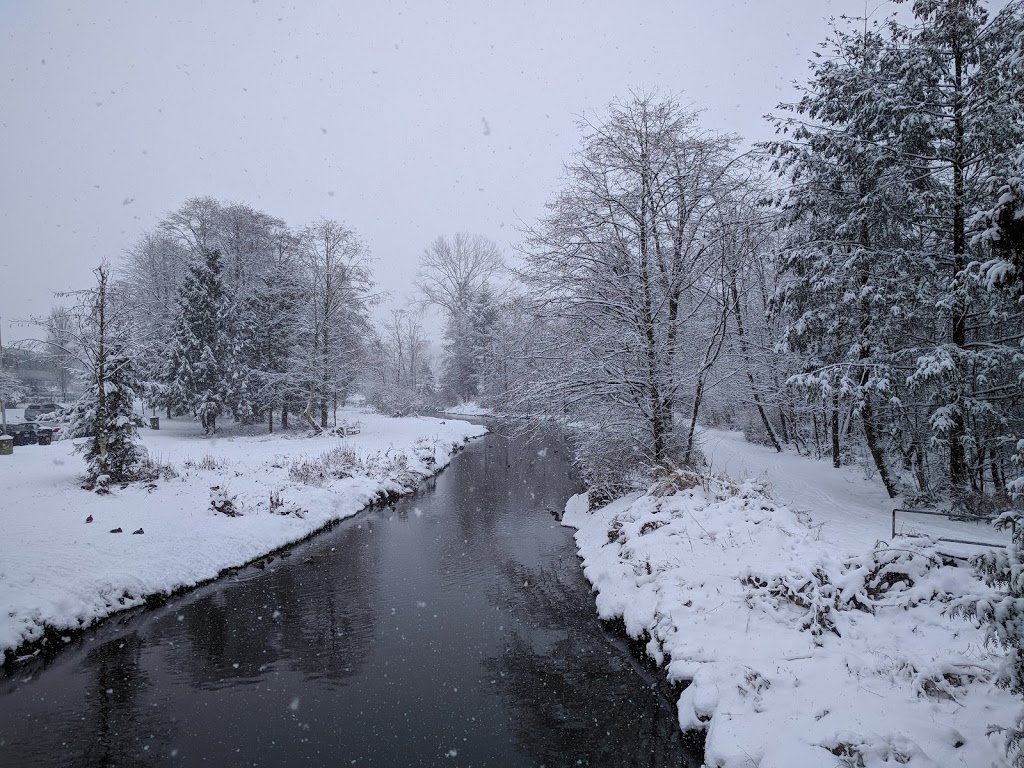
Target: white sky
{"points": [[403, 120]]}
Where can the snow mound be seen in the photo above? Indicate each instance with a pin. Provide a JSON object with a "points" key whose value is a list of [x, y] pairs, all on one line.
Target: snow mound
{"points": [[797, 653]]}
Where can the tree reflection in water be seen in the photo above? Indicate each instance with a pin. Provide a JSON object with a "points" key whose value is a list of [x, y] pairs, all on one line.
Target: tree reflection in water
{"points": [[563, 674], [113, 723], [320, 619]]}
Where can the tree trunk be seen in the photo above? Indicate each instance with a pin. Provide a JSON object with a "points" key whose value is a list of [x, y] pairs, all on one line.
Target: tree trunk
{"points": [[307, 416], [817, 434], [958, 428], [836, 457], [101, 375], [871, 437], [270, 420], [998, 482], [917, 456], [284, 416], [772, 437], [698, 395]]}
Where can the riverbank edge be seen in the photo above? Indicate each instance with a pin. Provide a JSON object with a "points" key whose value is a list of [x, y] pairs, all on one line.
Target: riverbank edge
{"points": [[717, 705], [54, 638]]}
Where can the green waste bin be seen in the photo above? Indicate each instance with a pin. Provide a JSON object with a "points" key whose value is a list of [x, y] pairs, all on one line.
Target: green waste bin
{"points": [[6, 445], [45, 439]]}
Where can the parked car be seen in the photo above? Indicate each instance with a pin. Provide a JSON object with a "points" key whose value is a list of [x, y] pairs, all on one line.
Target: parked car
{"points": [[29, 433], [34, 410], [60, 431]]}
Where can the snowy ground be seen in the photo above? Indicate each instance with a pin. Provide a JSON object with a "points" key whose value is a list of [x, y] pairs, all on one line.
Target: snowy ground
{"points": [[809, 639], [850, 503], [472, 408], [57, 570]]}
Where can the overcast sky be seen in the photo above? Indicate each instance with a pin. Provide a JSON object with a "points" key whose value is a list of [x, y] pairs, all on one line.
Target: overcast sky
{"points": [[403, 120]]}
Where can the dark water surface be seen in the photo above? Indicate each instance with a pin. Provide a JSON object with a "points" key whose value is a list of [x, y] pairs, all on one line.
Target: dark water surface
{"points": [[453, 629]]}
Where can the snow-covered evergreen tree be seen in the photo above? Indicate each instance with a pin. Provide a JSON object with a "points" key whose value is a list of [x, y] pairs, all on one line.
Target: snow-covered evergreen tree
{"points": [[502, 345], [197, 376], [455, 273], [1003, 616], [888, 153], [849, 282], [104, 345], [106, 416], [425, 378], [1001, 227], [955, 102], [468, 344]]}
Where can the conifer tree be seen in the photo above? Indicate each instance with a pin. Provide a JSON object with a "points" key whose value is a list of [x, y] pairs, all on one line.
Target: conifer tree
{"points": [[105, 414], [1003, 617], [903, 133], [197, 373], [956, 108], [845, 257]]}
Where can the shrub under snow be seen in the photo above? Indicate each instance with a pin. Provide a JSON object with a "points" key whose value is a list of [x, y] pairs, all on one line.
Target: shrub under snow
{"points": [[797, 653]]}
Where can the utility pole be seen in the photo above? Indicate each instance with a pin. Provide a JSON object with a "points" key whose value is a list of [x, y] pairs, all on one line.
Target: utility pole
{"points": [[3, 403]]}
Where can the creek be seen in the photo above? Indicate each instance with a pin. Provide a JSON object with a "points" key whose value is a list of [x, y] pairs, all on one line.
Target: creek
{"points": [[452, 628]]}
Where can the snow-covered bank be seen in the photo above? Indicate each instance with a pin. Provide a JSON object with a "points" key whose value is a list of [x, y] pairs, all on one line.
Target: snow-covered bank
{"points": [[58, 571], [806, 643], [472, 408]]}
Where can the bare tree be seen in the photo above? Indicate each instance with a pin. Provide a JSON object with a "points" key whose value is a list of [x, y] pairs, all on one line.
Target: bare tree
{"points": [[453, 269], [456, 275], [194, 225], [627, 264], [59, 327], [338, 282], [408, 345]]}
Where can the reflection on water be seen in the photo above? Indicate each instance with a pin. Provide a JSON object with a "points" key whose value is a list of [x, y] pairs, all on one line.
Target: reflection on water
{"points": [[454, 628]]}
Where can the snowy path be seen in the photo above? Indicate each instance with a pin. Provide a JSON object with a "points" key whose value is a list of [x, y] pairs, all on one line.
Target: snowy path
{"points": [[804, 644], [851, 508]]}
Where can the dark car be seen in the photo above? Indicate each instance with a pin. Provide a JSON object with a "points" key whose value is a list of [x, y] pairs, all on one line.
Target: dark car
{"points": [[56, 429], [34, 410], [29, 434]]}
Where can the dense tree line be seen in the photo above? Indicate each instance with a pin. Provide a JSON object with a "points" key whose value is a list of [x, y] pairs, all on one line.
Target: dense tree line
{"points": [[898, 280], [851, 289], [248, 317], [460, 290]]}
